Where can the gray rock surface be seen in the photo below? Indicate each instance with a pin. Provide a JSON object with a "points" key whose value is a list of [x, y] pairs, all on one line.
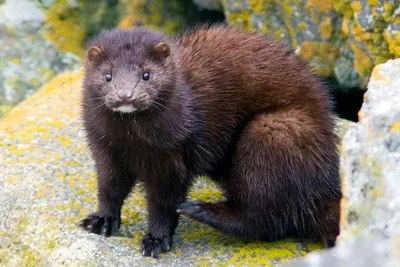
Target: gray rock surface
{"points": [[370, 166], [27, 59]]}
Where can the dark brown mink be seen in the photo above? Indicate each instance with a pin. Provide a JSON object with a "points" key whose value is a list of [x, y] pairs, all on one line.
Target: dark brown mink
{"points": [[216, 101]]}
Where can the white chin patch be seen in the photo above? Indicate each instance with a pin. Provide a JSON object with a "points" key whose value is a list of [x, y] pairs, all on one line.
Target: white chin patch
{"points": [[125, 109]]}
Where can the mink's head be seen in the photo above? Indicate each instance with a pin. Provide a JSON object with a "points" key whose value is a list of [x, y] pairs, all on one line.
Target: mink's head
{"points": [[130, 70]]}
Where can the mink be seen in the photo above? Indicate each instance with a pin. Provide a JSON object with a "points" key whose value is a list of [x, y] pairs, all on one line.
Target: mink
{"points": [[215, 101]]}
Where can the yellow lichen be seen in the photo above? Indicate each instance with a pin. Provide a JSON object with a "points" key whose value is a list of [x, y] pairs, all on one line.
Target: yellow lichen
{"points": [[64, 29], [302, 26], [356, 6], [373, 2], [322, 6], [345, 26], [395, 127], [326, 27], [362, 62], [393, 40], [257, 6], [323, 51], [65, 141]]}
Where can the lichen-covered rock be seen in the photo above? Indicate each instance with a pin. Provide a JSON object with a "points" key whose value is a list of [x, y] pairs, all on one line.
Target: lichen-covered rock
{"points": [[69, 24], [370, 167], [342, 38], [48, 184], [209, 4], [170, 17], [27, 60]]}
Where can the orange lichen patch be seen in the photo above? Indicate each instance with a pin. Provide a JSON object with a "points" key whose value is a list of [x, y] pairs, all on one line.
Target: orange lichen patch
{"points": [[322, 5], [378, 76], [395, 127]]}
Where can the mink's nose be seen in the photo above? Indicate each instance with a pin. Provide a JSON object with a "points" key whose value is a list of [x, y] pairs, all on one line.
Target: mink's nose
{"points": [[125, 96]]}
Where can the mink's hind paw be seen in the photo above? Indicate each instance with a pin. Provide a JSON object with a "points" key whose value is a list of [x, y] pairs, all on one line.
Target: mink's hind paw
{"points": [[197, 210], [150, 246], [101, 224]]}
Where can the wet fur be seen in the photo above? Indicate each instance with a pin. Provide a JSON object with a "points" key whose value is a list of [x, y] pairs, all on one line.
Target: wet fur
{"points": [[229, 104]]}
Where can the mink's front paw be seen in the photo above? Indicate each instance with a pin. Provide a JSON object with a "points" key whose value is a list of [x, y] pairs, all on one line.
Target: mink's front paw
{"points": [[101, 224], [150, 246]]}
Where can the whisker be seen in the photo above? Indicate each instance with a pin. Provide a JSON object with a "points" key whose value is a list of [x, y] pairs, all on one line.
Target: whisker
{"points": [[101, 105]]}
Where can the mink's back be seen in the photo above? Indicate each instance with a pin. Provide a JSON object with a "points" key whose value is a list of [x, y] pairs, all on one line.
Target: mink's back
{"points": [[221, 60], [235, 75], [238, 74]]}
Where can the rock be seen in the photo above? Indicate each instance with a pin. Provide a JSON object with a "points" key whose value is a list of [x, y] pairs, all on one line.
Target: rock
{"points": [[27, 59], [370, 168], [209, 4], [48, 184], [342, 38], [170, 17]]}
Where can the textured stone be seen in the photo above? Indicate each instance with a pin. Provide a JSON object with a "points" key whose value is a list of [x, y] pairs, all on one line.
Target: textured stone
{"points": [[27, 60], [48, 184], [370, 168], [344, 39]]}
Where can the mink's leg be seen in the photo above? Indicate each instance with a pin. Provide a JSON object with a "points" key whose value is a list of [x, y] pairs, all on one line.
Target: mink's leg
{"points": [[163, 194], [114, 183], [283, 173]]}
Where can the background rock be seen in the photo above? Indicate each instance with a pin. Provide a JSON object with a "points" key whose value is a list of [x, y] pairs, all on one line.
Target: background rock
{"points": [[370, 167], [27, 59], [342, 38]]}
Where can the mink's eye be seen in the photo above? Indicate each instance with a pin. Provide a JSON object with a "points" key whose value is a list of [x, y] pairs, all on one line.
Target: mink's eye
{"points": [[108, 77], [146, 76]]}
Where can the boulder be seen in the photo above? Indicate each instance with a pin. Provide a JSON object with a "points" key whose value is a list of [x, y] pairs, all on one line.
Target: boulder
{"points": [[27, 59], [370, 168], [343, 39], [48, 184]]}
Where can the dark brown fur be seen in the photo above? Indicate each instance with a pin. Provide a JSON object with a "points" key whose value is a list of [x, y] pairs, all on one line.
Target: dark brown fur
{"points": [[221, 102]]}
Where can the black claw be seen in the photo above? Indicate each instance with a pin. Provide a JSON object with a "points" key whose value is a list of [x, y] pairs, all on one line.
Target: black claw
{"points": [[153, 247]]}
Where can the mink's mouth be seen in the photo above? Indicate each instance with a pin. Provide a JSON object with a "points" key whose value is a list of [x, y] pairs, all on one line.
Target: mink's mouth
{"points": [[125, 108]]}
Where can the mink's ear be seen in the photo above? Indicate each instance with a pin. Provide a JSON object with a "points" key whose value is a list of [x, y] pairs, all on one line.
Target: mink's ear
{"points": [[93, 53], [162, 49]]}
